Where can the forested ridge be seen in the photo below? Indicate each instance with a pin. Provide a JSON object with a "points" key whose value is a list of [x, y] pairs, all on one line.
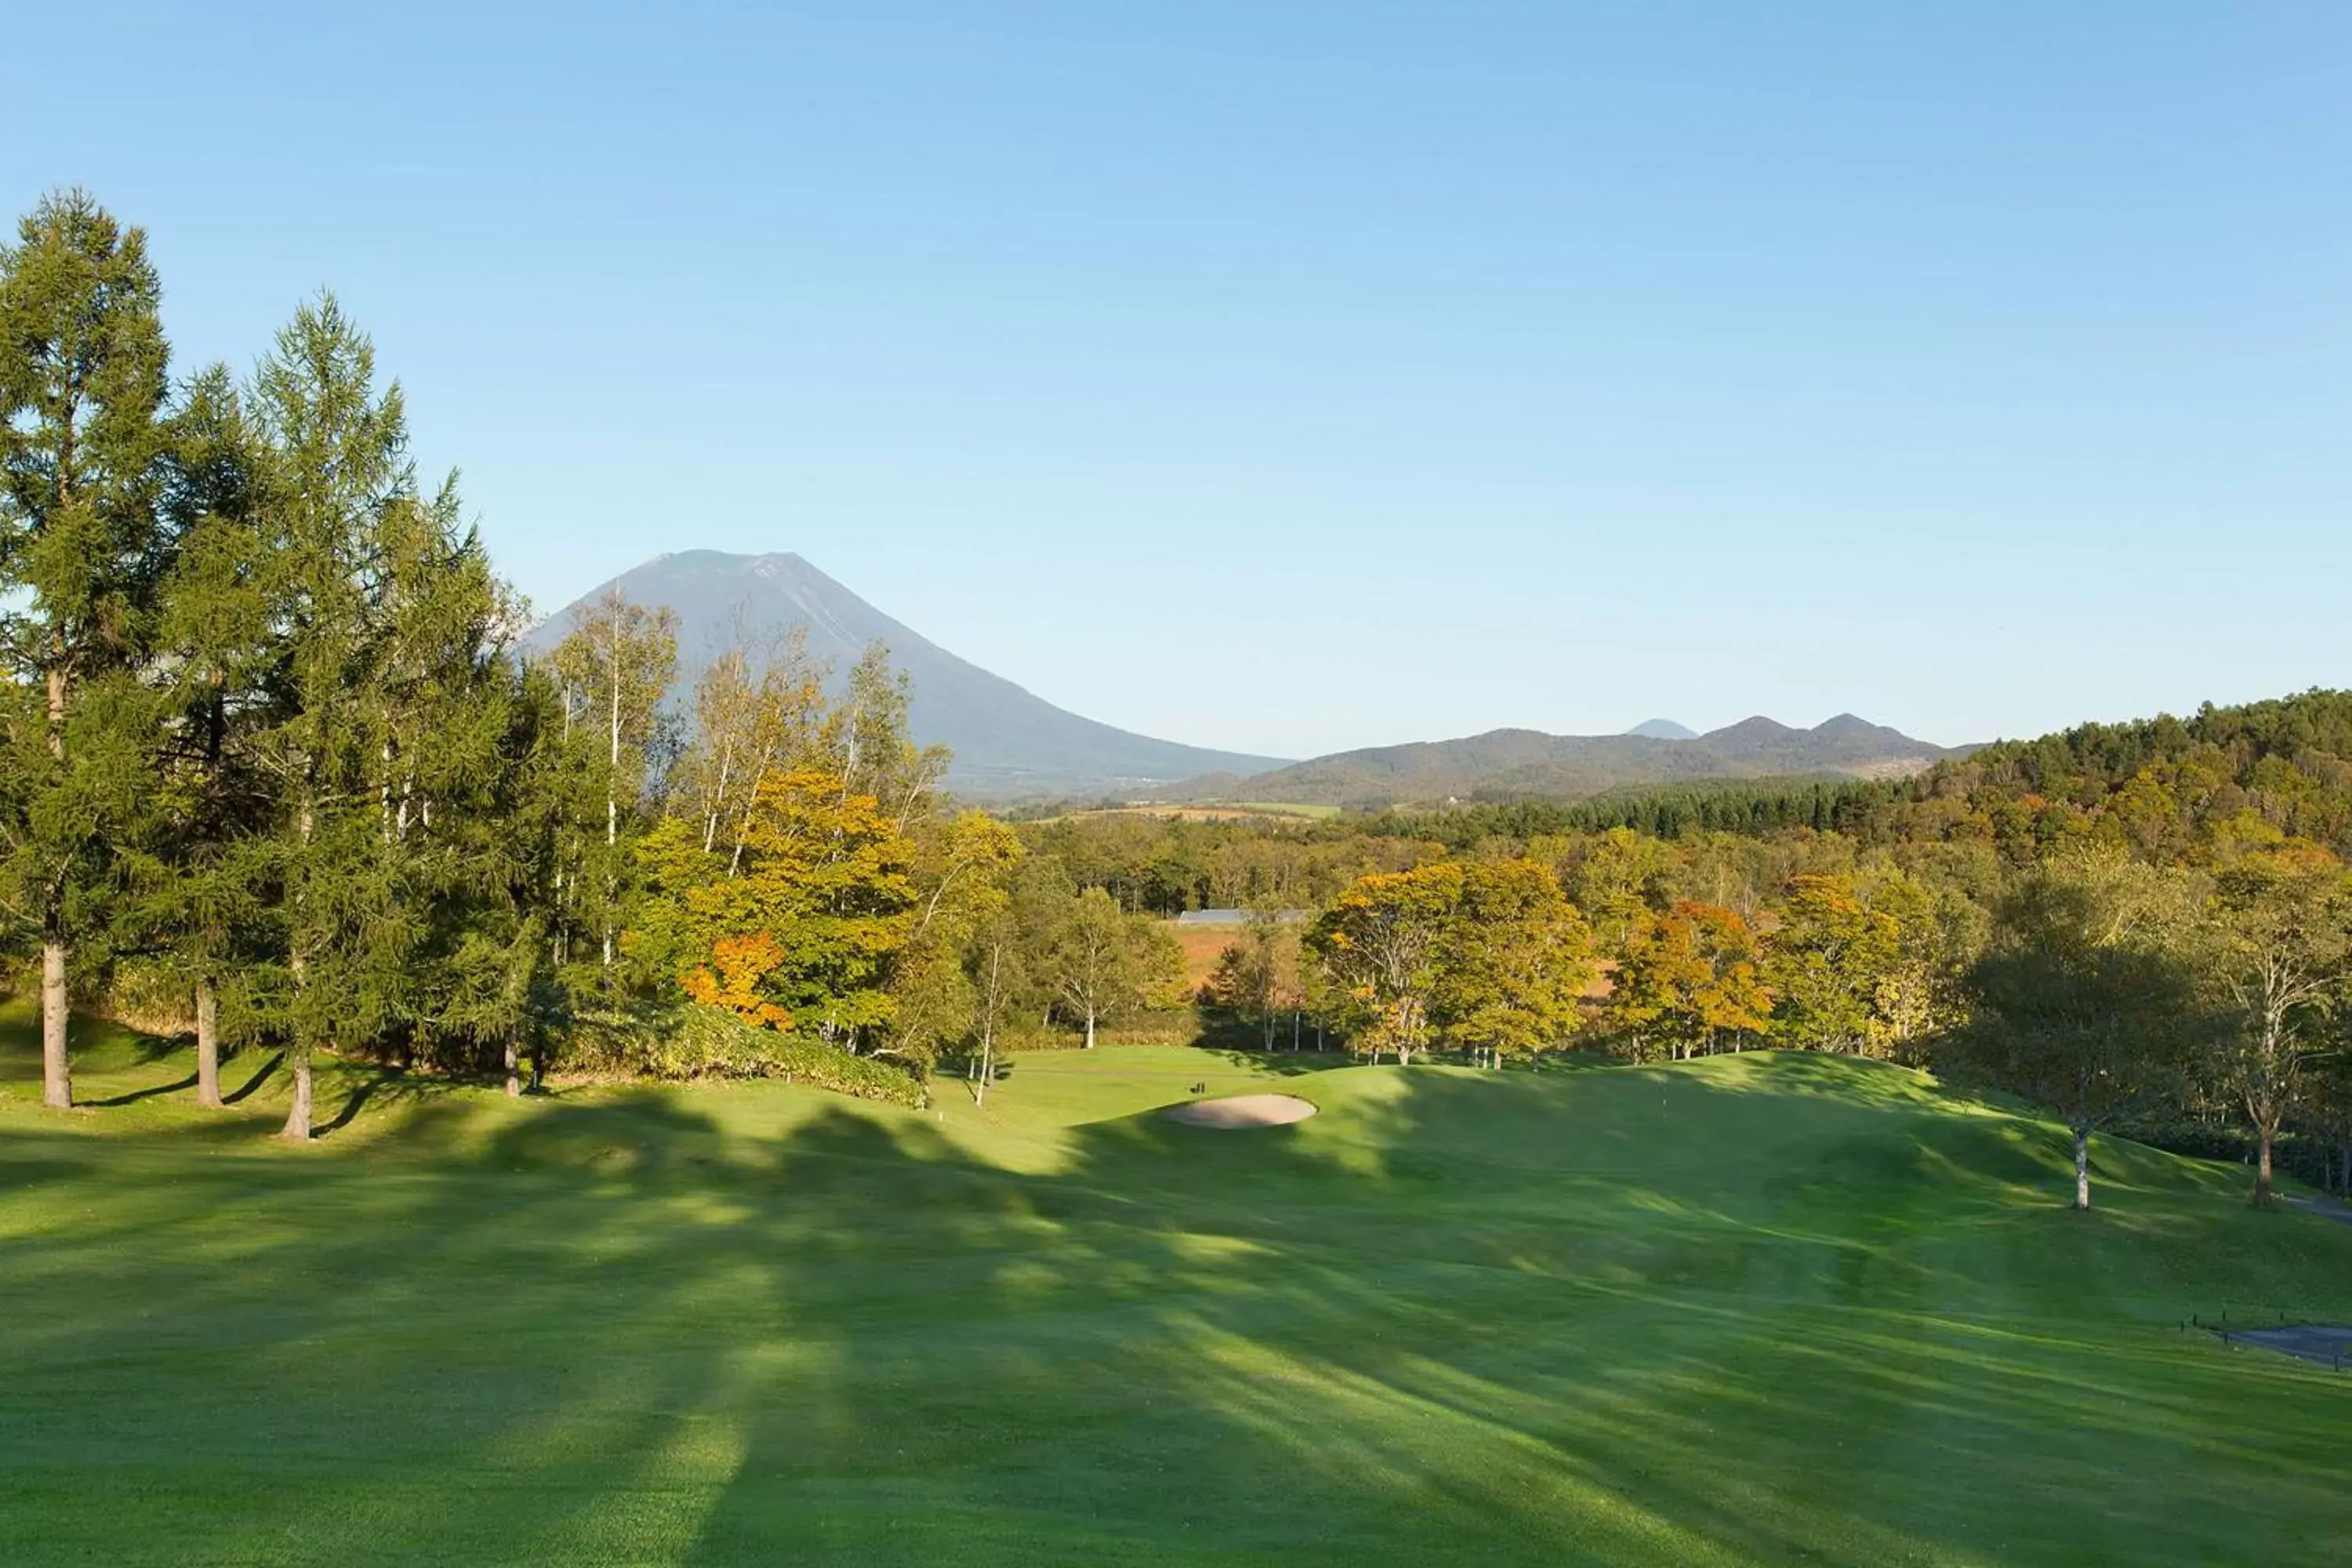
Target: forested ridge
{"points": [[276, 771]]}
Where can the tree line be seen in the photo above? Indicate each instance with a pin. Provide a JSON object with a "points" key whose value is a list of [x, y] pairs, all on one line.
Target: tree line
{"points": [[2145, 928]]}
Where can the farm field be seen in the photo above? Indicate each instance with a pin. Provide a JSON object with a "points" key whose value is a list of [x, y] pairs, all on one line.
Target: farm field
{"points": [[1754, 1308]]}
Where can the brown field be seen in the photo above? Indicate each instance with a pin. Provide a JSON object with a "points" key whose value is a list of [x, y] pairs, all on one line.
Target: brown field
{"points": [[1201, 946], [1236, 812]]}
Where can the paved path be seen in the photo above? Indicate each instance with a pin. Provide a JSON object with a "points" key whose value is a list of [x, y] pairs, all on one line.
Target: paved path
{"points": [[2326, 1208], [2329, 1345]]}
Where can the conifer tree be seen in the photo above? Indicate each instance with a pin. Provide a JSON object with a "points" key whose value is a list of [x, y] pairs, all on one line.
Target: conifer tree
{"points": [[211, 646], [83, 388], [386, 725]]}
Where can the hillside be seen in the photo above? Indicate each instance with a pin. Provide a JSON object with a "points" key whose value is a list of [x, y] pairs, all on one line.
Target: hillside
{"points": [[1007, 741], [1760, 1308], [1527, 764]]}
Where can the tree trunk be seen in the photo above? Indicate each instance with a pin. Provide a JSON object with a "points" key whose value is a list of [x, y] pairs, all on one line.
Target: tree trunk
{"points": [[613, 793], [1091, 1028], [2083, 1168], [2267, 1135], [514, 1070], [298, 1115], [56, 1074], [208, 1094]]}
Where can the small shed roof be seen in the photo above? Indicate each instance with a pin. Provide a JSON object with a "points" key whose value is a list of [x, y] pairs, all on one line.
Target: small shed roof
{"points": [[1236, 917]]}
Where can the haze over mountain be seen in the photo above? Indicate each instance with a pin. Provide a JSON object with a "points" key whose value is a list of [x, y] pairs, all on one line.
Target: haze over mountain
{"points": [[1007, 741], [1529, 764], [1664, 729]]}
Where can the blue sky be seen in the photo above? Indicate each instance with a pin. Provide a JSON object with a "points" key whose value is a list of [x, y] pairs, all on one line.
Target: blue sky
{"points": [[1291, 376]]}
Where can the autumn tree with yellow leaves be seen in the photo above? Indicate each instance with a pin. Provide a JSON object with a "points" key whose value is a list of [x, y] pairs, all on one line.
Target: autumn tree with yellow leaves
{"points": [[798, 929], [1489, 956]]}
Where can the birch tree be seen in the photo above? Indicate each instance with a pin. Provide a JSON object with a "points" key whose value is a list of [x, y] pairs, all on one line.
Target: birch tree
{"points": [[615, 665], [1102, 960], [993, 969], [760, 711]]}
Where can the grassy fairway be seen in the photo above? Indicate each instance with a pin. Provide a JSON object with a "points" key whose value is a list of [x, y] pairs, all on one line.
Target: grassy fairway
{"points": [[1759, 1308]]}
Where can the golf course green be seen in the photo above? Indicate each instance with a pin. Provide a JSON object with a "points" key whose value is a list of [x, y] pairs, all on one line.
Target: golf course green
{"points": [[1754, 1309]]}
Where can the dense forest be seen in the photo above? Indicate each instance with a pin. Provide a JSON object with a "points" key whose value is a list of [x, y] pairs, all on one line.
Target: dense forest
{"points": [[274, 771]]}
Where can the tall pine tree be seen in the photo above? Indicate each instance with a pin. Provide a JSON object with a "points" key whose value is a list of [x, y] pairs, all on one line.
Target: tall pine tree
{"points": [[385, 728], [213, 644], [82, 389]]}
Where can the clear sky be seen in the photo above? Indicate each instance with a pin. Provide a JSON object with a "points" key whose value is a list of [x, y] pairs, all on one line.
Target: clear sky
{"points": [[1291, 376]]}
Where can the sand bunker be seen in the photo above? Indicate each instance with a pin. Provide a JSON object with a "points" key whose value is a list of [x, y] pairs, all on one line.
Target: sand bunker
{"points": [[1245, 1110]]}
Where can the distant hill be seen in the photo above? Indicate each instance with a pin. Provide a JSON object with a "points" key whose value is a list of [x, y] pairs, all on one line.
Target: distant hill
{"points": [[1007, 741], [1664, 729], [1527, 764]]}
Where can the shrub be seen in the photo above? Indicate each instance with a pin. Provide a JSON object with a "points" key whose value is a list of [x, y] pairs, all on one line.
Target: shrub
{"points": [[688, 1040]]}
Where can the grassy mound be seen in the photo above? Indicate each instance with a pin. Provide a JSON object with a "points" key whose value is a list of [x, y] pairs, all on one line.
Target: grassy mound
{"points": [[1757, 1308]]}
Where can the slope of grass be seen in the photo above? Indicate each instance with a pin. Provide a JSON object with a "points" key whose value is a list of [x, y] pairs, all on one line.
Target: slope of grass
{"points": [[1757, 1308]]}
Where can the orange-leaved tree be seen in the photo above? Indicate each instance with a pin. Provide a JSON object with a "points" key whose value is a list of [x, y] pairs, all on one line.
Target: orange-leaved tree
{"points": [[736, 978]]}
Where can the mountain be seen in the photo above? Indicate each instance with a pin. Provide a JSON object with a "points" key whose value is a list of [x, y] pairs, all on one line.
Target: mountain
{"points": [[1007, 741], [1527, 764], [1664, 729]]}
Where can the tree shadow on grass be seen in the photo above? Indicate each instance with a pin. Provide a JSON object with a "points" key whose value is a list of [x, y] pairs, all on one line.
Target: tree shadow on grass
{"points": [[261, 1075], [1278, 1062], [134, 1096], [354, 1103], [1467, 1322]]}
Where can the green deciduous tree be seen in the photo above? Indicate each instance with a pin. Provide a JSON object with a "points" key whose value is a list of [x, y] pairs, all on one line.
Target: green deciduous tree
{"points": [[962, 868], [2086, 1001], [2281, 947], [1622, 875], [1101, 961], [1832, 966]]}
